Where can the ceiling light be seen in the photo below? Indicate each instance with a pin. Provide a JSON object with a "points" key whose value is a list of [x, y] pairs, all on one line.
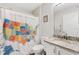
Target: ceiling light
{"points": [[58, 4]]}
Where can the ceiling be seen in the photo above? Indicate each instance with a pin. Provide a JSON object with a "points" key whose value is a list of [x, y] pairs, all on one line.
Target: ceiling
{"points": [[29, 7], [21, 7], [65, 6]]}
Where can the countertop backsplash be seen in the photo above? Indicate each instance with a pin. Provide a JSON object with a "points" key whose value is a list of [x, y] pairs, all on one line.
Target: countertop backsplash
{"points": [[67, 37]]}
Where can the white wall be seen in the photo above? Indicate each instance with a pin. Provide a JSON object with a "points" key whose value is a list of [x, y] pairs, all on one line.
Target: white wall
{"points": [[46, 29]]}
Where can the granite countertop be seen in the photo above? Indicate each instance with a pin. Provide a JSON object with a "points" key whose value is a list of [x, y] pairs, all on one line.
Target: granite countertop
{"points": [[72, 45]]}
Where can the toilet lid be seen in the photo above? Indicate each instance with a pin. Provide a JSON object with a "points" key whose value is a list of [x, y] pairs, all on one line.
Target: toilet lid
{"points": [[38, 47]]}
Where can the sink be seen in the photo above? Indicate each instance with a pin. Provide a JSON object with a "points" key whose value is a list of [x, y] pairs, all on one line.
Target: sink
{"points": [[67, 41], [71, 42]]}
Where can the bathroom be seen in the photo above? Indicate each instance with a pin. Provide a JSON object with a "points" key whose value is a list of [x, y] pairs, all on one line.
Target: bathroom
{"points": [[40, 29]]}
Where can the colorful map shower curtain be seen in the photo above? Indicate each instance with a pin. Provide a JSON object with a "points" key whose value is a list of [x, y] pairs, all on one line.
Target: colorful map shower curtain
{"points": [[16, 31], [1, 33]]}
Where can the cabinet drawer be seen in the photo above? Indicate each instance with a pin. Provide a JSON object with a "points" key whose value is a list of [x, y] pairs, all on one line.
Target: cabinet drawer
{"points": [[63, 51]]}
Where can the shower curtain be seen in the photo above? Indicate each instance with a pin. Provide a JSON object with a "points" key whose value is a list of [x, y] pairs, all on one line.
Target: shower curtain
{"points": [[17, 31]]}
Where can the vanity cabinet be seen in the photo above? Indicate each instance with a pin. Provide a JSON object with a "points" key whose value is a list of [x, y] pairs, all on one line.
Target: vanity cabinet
{"points": [[52, 49], [49, 48], [62, 51]]}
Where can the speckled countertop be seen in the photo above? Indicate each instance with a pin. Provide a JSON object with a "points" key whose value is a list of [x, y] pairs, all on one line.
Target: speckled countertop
{"points": [[72, 45]]}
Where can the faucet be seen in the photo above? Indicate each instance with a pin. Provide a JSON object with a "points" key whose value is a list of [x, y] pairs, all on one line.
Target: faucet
{"points": [[65, 36]]}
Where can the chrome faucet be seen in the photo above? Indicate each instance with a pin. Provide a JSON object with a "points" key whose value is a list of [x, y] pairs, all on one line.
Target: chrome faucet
{"points": [[65, 36]]}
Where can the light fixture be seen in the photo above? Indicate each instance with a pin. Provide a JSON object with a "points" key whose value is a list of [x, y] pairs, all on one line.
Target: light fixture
{"points": [[58, 4]]}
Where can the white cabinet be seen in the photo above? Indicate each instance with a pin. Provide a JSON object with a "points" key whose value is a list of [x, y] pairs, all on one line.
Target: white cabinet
{"points": [[52, 49], [63, 51], [49, 48]]}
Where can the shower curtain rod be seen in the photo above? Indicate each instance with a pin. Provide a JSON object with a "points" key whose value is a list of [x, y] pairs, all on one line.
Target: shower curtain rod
{"points": [[23, 14]]}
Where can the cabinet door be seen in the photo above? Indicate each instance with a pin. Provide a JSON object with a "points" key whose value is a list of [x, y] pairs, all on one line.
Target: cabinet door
{"points": [[63, 51], [49, 48], [52, 49]]}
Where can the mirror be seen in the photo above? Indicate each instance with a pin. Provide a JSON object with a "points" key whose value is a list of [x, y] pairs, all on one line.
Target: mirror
{"points": [[67, 19]]}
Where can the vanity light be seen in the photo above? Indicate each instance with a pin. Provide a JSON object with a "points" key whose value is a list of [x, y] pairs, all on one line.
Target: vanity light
{"points": [[58, 4]]}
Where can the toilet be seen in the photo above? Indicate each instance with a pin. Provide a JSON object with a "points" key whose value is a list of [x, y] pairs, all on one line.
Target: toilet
{"points": [[37, 49]]}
